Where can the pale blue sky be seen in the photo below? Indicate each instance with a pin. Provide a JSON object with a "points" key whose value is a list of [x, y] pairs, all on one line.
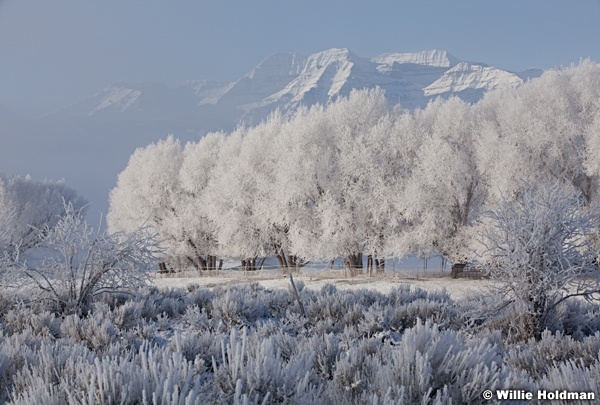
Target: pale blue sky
{"points": [[61, 51]]}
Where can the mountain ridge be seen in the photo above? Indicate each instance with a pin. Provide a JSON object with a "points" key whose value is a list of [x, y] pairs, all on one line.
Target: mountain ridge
{"points": [[287, 80]]}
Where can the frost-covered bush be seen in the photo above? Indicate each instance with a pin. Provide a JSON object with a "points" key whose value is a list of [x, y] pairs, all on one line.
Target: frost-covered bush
{"points": [[22, 318], [81, 263], [241, 306], [538, 358], [152, 375], [539, 251], [573, 376], [259, 372], [94, 330]]}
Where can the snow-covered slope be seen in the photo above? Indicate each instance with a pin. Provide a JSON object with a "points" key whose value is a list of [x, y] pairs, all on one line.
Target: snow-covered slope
{"points": [[267, 78], [324, 75], [471, 79], [433, 58]]}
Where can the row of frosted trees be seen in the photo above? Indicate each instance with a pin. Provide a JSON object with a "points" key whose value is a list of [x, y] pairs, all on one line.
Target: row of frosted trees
{"points": [[359, 178]]}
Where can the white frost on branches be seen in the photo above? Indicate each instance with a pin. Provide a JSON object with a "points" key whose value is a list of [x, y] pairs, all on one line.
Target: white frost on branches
{"points": [[540, 252], [80, 262]]}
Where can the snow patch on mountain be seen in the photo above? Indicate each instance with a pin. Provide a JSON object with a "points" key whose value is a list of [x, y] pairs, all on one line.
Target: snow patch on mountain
{"points": [[324, 76], [278, 65], [467, 76], [117, 98], [433, 58], [208, 91]]}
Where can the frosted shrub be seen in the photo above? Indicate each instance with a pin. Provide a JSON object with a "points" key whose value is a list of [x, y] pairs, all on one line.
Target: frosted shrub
{"points": [[578, 318], [128, 315], [95, 331], [197, 319], [426, 363], [196, 347], [258, 372], [47, 367], [200, 297], [572, 376], [5, 373], [149, 376], [327, 350], [540, 254], [171, 307], [81, 263], [240, 305], [22, 318], [538, 357]]}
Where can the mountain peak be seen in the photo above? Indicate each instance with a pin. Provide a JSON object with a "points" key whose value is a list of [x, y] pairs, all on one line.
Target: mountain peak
{"points": [[432, 58], [333, 55]]}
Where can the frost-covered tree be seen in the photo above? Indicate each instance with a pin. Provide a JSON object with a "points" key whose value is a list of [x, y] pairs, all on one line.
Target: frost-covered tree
{"points": [[446, 189], [538, 252], [146, 197], [367, 169], [7, 252], [6, 216], [305, 166], [27, 206], [336, 172], [239, 200], [543, 132], [80, 262], [195, 202]]}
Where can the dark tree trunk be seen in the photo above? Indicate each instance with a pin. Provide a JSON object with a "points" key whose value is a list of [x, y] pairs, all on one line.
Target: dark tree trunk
{"points": [[281, 261], [457, 269], [370, 265], [251, 264], [354, 263], [202, 263], [359, 267], [162, 267], [380, 266]]}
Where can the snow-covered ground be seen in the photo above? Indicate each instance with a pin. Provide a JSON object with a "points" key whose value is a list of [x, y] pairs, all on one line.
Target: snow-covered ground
{"points": [[274, 279]]}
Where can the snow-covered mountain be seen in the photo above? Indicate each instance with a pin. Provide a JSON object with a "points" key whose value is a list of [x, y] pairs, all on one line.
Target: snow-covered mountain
{"points": [[288, 80]]}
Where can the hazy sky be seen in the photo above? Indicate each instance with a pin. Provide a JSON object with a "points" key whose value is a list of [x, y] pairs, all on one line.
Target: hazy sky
{"points": [[57, 52]]}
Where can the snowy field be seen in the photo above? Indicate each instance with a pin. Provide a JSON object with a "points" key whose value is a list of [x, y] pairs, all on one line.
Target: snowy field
{"points": [[315, 280], [431, 275]]}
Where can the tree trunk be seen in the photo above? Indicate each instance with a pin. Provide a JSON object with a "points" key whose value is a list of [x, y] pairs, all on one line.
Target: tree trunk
{"points": [[281, 261], [380, 266], [359, 267], [249, 264], [457, 269], [354, 263], [202, 263], [162, 267], [370, 265]]}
